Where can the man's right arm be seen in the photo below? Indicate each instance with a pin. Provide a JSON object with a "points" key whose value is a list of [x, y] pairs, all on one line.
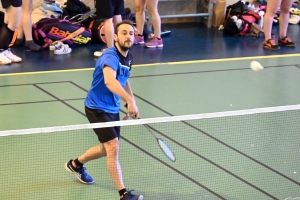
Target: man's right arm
{"points": [[115, 87]]}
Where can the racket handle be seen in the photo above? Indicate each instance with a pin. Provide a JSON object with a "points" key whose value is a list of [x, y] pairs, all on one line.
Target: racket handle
{"points": [[126, 106]]}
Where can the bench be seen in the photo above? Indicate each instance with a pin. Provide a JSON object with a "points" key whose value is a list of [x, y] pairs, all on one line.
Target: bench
{"points": [[200, 7]]}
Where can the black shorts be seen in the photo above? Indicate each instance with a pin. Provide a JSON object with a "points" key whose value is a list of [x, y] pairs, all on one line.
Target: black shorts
{"points": [[14, 3], [104, 134], [106, 9]]}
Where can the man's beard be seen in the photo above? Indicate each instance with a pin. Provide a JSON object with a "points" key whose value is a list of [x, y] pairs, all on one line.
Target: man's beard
{"points": [[123, 47]]}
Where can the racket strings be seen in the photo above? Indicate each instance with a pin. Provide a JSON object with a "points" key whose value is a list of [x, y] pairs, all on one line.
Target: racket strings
{"points": [[163, 145]]}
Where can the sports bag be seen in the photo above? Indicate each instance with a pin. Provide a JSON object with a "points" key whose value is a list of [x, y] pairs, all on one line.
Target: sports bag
{"points": [[97, 28], [48, 30], [248, 19]]}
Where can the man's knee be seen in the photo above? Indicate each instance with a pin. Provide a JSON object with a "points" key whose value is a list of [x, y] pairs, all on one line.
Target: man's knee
{"points": [[112, 147]]}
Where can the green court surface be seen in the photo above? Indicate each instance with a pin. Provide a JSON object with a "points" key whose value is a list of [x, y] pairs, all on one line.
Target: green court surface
{"points": [[250, 157]]}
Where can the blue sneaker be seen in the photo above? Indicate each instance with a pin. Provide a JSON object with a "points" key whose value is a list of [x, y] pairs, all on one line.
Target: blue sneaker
{"points": [[129, 196], [81, 174]]}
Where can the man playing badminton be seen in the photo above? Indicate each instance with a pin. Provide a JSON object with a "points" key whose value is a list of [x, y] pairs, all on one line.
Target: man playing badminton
{"points": [[102, 104]]}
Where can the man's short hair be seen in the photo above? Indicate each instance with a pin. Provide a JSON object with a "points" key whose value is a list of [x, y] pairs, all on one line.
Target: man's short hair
{"points": [[123, 22]]}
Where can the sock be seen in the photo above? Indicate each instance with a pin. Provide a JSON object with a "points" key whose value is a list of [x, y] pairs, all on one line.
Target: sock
{"points": [[140, 35], [30, 45], [78, 163], [122, 192], [5, 37]]}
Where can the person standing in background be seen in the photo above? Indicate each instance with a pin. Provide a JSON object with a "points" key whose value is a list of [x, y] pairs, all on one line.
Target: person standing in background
{"points": [[26, 28], [283, 40], [110, 11], [140, 6]]}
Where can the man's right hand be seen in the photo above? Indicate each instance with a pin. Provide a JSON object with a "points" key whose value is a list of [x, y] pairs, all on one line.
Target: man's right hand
{"points": [[132, 111]]}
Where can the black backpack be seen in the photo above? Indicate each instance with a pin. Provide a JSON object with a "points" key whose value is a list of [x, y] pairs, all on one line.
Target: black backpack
{"points": [[75, 7]]}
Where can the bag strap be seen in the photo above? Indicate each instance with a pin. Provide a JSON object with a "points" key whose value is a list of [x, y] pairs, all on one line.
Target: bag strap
{"points": [[40, 32], [74, 34], [14, 38]]}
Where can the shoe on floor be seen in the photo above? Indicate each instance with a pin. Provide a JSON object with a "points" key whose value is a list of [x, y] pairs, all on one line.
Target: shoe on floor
{"points": [[99, 53], [55, 45], [286, 41], [294, 19], [62, 49], [11, 56], [154, 42], [80, 173], [3, 59], [138, 39], [270, 44], [129, 196]]}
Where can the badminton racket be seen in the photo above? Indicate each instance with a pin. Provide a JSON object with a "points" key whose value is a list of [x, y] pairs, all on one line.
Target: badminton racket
{"points": [[82, 17], [161, 143]]}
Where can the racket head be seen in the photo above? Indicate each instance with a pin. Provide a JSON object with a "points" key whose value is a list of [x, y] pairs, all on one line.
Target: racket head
{"points": [[87, 14], [166, 149]]}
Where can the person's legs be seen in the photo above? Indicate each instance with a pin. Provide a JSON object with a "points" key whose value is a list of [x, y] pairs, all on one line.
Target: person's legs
{"points": [[109, 32], [112, 162], [109, 147], [109, 36], [140, 20], [152, 9], [20, 34], [4, 37], [117, 19], [272, 7], [11, 22], [20, 37], [106, 11], [284, 21], [76, 166], [27, 8], [96, 152], [93, 153]]}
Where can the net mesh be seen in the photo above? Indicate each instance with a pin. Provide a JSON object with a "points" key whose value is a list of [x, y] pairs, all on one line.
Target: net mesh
{"points": [[246, 154]]}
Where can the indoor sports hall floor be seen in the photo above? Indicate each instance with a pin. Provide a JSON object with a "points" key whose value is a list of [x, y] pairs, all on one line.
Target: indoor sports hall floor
{"points": [[198, 71]]}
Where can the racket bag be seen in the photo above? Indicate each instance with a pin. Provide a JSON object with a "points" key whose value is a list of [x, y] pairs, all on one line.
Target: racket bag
{"points": [[97, 29], [48, 30]]}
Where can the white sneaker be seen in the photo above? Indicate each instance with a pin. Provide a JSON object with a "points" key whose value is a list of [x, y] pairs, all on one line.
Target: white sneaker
{"points": [[11, 56], [294, 19], [55, 45], [63, 49], [3, 59]]}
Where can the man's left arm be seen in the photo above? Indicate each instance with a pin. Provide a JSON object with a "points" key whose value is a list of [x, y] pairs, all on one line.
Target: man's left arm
{"points": [[129, 91]]}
